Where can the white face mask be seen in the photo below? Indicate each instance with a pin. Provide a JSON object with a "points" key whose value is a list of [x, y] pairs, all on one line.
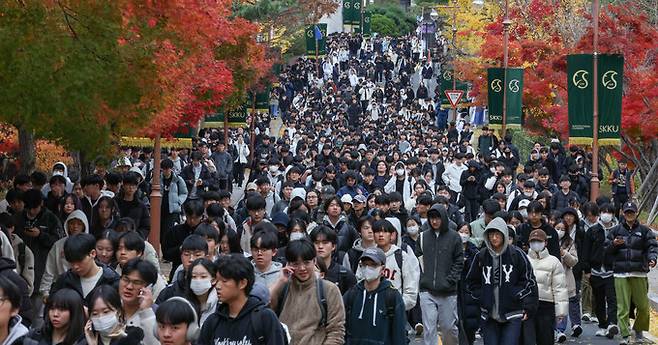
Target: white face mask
{"points": [[105, 324], [412, 230], [296, 236], [537, 246], [606, 217], [200, 286], [465, 237], [528, 194], [371, 273], [274, 168], [560, 233], [524, 213], [399, 172]]}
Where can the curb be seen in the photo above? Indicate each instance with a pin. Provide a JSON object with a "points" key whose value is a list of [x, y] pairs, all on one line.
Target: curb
{"points": [[653, 301]]}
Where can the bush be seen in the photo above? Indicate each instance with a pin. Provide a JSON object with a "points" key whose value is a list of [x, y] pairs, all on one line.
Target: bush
{"points": [[384, 26], [404, 22]]}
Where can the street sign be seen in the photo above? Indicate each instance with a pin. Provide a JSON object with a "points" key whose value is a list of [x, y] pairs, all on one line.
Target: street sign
{"points": [[454, 96]]}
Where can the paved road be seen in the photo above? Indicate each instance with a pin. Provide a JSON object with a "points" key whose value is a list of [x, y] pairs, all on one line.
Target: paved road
{"points": [[586, 338]]}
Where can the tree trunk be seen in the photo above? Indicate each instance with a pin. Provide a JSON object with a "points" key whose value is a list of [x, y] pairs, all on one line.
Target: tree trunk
{"points": [[86, 165], [26, 150]]}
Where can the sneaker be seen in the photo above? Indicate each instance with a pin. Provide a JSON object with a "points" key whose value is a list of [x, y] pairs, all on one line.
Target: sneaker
{"points": [[585, 317], [612, 331], [576, 331], [624, 341], [419, 329], [601, 332], [561, 337], [593, 319]]}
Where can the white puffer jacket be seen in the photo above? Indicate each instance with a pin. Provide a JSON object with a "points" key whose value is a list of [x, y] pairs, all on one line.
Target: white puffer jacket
{"points": [[551, 282]]}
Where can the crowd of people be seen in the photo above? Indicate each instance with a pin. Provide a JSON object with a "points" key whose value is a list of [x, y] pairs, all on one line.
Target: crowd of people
{"points": [[368, 218]]}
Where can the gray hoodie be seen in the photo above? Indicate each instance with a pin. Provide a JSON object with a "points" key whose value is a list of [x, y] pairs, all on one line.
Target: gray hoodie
{"points": [[269, 277], [497, 224]]}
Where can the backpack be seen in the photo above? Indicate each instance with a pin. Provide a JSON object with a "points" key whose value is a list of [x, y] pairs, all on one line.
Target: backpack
{"points": [[256, 317], [322, 300], [398, 260]]}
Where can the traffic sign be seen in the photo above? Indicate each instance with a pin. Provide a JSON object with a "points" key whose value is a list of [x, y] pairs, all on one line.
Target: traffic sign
{"points": [[454, 96]]}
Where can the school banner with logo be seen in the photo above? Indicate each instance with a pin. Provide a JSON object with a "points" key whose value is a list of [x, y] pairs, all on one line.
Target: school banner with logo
{"points": [[236, 118], [611, 76], [445, 80], [356, 12], [348, 11], [495, 77], [514, 81], [580, 98], [318, 35]]}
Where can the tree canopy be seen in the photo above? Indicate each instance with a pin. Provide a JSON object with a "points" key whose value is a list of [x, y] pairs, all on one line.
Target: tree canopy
{"points": [[84, 72]]}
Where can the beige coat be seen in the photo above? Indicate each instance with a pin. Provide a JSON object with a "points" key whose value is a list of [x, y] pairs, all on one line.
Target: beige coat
{"points": [[301, 313], [569, 260]]}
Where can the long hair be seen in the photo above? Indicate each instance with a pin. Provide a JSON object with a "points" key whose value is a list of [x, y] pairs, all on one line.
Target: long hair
{"points": [[212, 270], [67, 299]]}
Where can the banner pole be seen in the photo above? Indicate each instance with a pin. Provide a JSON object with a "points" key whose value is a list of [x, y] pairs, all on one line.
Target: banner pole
{"points": [[317, 64], [595, 107], [506, 24]]}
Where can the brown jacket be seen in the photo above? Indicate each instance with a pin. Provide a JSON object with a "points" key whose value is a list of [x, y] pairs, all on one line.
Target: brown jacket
{"points": [[301, 313]]}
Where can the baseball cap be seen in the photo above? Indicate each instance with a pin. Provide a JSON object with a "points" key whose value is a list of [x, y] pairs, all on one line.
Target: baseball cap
{"points": [[346, 198], [537, 235], [360, 199], [375, 254], [280, 218], [524, 203], [251, 186], [629, 206]]}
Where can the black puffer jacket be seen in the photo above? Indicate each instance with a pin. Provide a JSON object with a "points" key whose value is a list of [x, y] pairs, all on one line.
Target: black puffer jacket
{"points": [[469, 309], [634, 254], [346, 233], [593, 255]]}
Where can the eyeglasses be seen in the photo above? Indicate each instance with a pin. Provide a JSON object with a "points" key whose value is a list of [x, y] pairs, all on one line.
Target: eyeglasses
{"points": [[135, 282], [298, 264], [256, 250]]}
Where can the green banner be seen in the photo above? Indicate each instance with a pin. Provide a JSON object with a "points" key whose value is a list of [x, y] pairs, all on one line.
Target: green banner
{"points": [[236, 118], [495, 77], [348, 11], [356, 13], [611, 76], [580, 98], [262, 100], [445, 80], [514, 81], [316, 47]]}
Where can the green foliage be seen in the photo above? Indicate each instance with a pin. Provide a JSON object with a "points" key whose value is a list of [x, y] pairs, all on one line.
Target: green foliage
{"points": [[403, 22], [384, 25], [60, 68]]}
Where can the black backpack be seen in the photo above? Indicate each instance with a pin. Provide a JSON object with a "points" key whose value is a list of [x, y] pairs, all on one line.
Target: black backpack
{"points": [[322, 300], [256, 317]]}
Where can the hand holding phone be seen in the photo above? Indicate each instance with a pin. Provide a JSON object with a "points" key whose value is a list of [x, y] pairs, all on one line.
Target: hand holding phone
{"points": [[146, 297]]}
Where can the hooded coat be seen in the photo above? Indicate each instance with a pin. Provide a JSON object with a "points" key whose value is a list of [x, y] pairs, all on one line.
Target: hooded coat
{"points": [[16, 333], [7, 270], [551, 281], [220, 328], [441, 254], [502, 282], [56, 264], [368, 321]]}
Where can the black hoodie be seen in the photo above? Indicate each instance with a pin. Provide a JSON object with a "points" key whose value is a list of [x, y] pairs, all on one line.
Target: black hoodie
{"points": [[7, 267], [221, 329]]}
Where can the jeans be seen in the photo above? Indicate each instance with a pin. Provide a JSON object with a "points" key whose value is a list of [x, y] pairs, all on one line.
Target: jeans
{"points": [[605, 301], [441, 310], [472, 208], [574, 314], [501, 333]]}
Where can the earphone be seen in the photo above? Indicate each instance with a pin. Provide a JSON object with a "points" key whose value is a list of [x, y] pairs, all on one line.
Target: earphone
{"points": [[192, 328]]}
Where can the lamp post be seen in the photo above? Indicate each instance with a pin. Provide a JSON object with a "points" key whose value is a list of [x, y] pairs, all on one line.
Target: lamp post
{"points": [[595, 107], [155, 197], [506, 23]]}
